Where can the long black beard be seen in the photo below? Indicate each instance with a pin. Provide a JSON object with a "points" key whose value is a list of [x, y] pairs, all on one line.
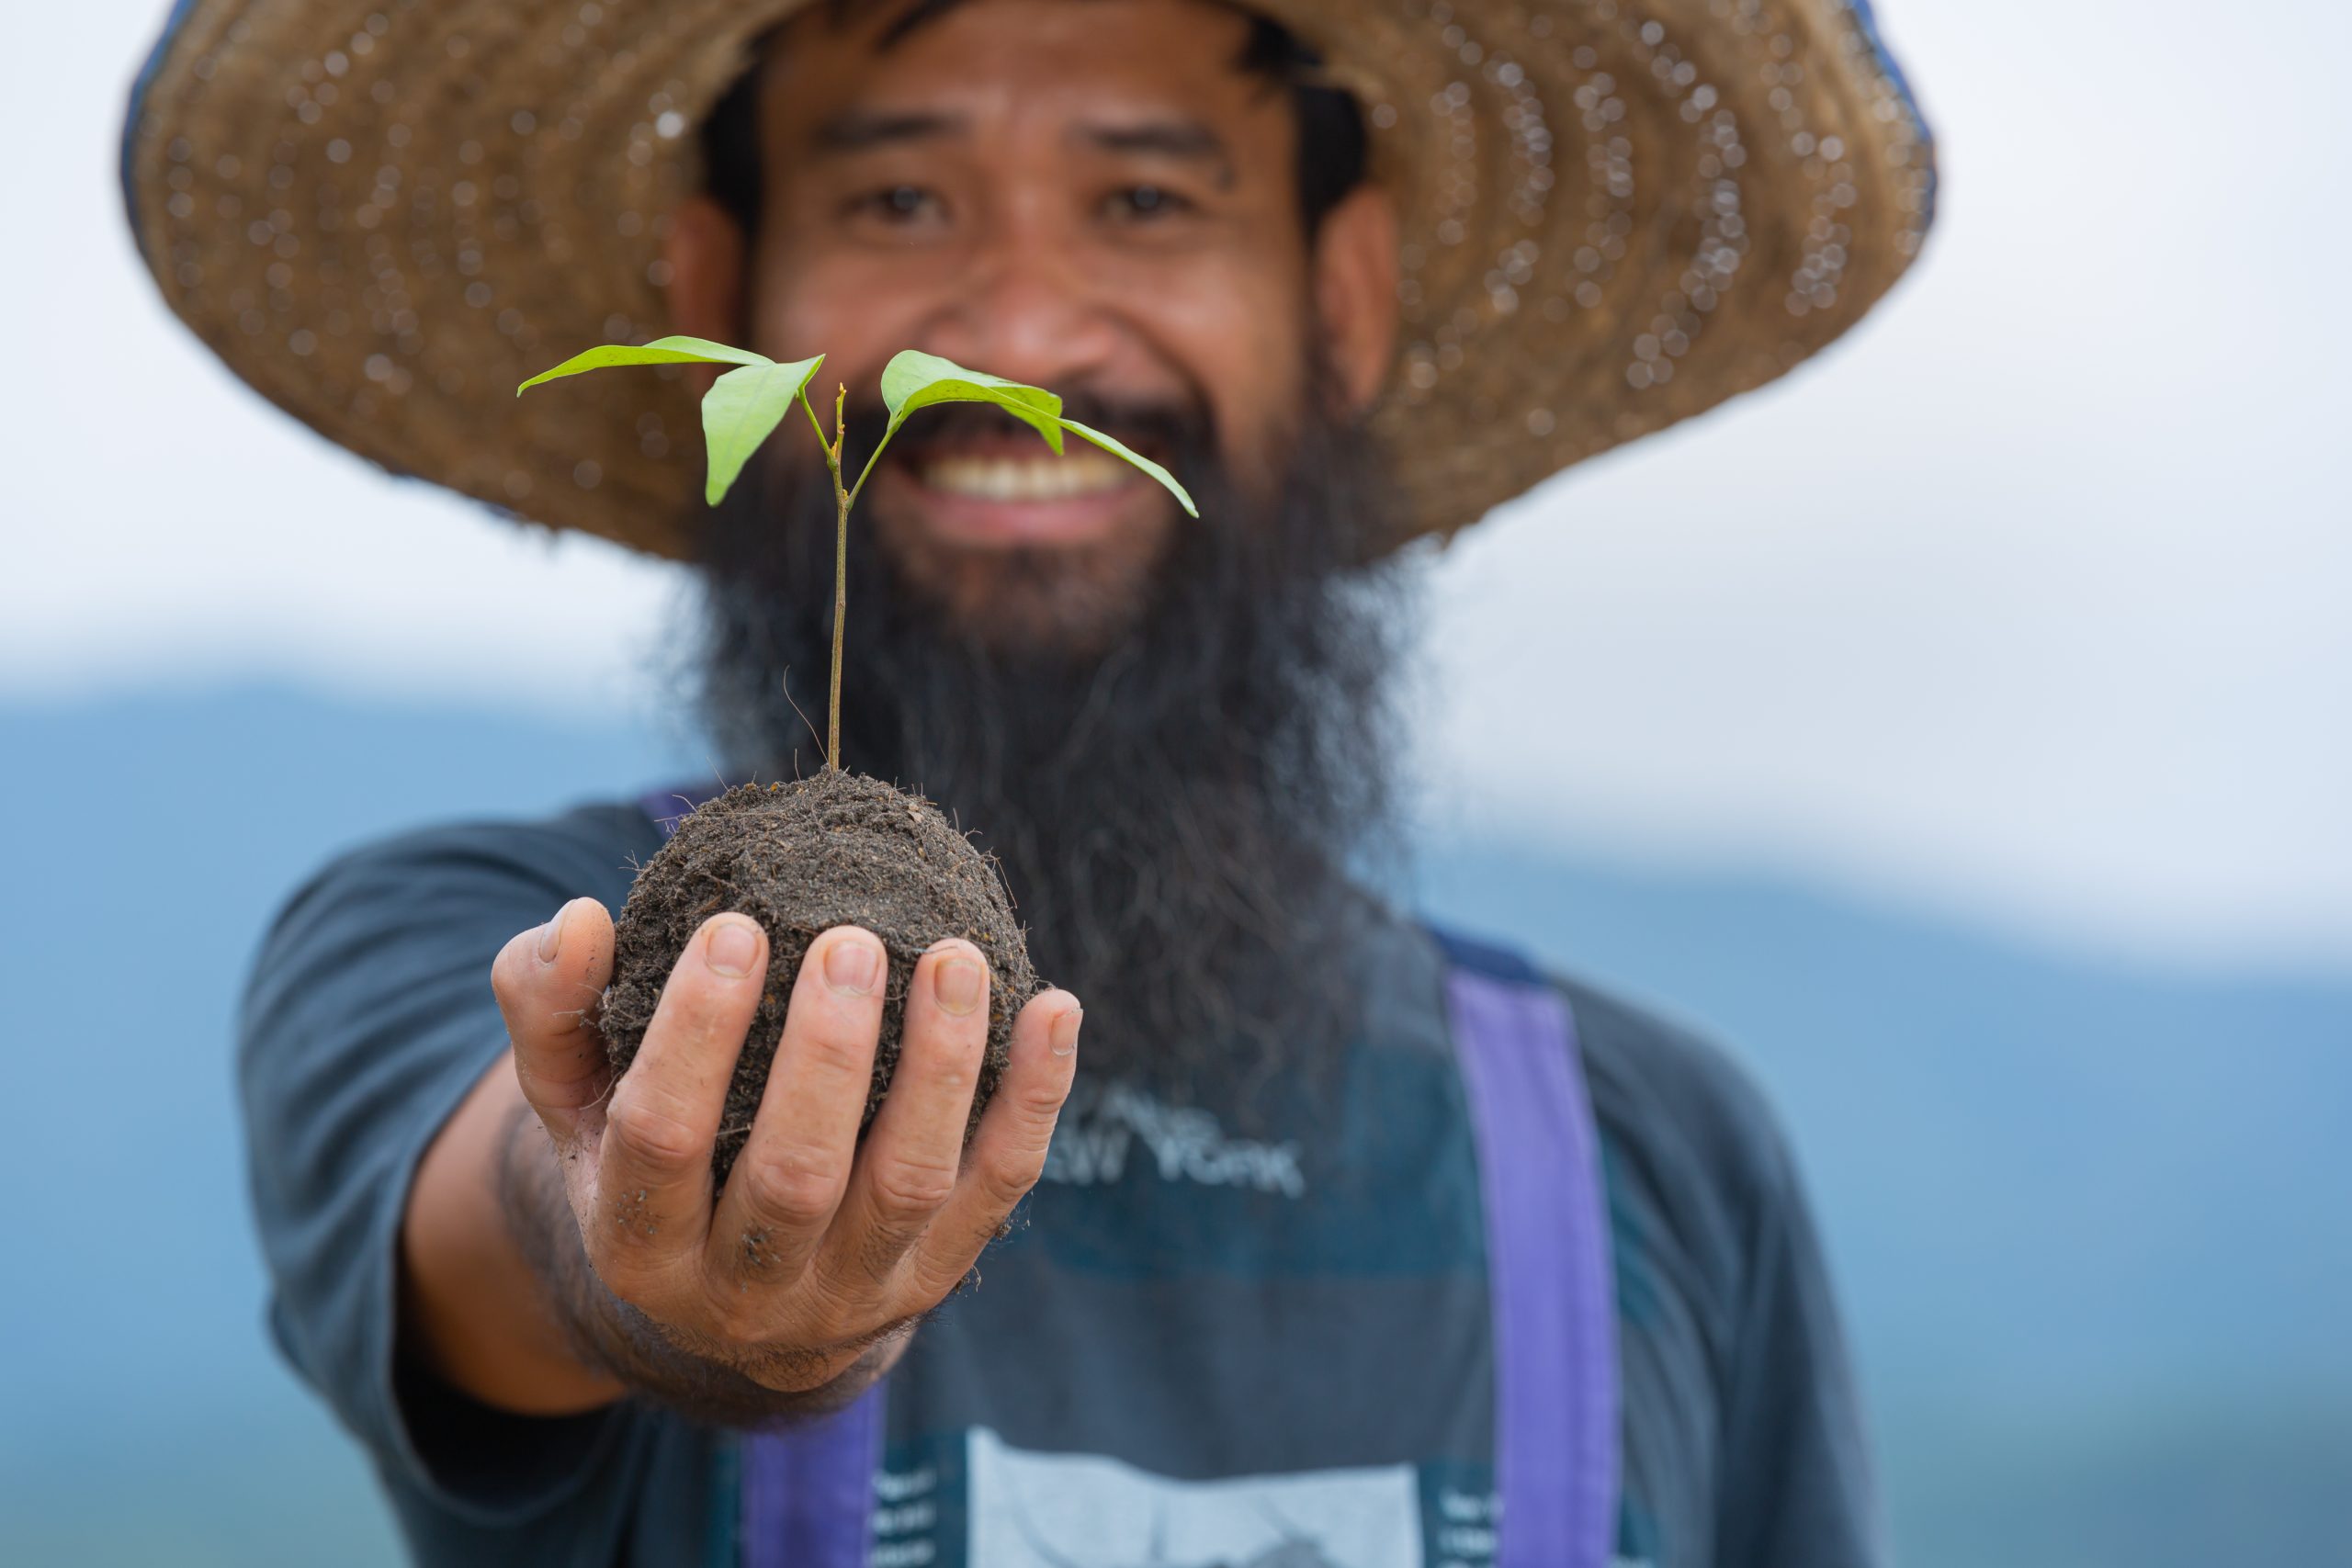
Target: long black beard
{"points": [[1178, 819]]}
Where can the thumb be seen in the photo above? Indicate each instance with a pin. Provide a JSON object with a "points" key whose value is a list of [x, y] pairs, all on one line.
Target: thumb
{"points": [[547, 980]]}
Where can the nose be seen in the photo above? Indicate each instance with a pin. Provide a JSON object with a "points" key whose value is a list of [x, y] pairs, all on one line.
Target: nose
{"points": [[1026, 309]]}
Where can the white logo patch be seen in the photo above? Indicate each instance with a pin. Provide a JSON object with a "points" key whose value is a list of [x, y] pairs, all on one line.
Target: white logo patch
{"points": [[1103, 1123], [1037, 1510]]}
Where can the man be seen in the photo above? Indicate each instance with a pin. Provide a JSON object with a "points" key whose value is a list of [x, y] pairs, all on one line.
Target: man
{"points": [[1342, 1244]]}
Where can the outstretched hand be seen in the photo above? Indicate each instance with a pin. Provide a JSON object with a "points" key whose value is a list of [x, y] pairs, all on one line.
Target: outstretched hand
{"points": [[820, 1247]]}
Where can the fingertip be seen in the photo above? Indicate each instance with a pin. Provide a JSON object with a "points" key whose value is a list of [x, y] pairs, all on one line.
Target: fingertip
{"points": [[1044, 1036], [853, 960], [955, 974], [1062, 1037], [547, 980], [585, 955], [527, 955], [507, 970], [577, 929], [731, 944], [1057, 1013], [586, 919], [550, 941]]}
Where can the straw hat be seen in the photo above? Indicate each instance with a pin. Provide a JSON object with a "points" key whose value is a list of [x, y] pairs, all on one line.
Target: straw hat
{"points": [[384, 214]]}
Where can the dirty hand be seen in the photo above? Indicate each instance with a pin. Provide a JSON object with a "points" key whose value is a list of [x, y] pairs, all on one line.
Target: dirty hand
{"points": [[820, 1247]]}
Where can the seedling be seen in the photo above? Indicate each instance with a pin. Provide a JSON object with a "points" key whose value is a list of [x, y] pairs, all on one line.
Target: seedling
{"points": [[744, 406], [834, 848]]}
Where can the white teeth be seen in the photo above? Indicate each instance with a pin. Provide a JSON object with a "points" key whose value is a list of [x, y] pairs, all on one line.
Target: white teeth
{"points": [[1042, 478]]}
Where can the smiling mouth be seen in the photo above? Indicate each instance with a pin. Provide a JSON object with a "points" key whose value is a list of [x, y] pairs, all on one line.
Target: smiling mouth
{"points": [[1042, 478], [980, 480]]}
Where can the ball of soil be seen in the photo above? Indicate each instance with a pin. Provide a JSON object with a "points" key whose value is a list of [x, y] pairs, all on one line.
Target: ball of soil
{"points": [[833, 850]]}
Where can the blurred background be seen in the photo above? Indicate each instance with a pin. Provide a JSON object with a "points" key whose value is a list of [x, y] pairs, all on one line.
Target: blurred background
{"points": [[1958, 730]]}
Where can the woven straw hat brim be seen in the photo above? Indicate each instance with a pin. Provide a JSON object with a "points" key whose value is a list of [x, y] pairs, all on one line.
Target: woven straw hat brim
{"points": [[384, 214]]}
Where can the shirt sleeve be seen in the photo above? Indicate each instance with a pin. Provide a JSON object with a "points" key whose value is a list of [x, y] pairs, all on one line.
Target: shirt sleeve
{"points": [[1797, 1484], [368, 1016], [1744, 1439]]}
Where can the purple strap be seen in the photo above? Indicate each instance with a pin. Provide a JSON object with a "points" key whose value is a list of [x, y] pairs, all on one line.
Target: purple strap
{"points": [[1548, 1272], [808, 1490]]}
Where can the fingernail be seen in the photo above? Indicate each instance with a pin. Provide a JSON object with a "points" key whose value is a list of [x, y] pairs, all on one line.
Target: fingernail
{"points": [[732, 948], [852, 964], [1065, 1036], [551, 935], [957, 983]]}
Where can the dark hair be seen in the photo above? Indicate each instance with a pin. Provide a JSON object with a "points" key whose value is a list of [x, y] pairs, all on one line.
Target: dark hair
{"points": [[1331, 146]]}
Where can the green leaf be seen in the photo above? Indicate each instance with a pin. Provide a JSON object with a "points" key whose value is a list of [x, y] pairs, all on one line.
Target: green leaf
{"points": [[740, 410], [661, 351], [915, 380], [1137, 459]]}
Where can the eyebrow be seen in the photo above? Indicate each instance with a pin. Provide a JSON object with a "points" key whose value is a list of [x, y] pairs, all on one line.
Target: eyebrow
{"points": [[1184, 139], [858, 131]]}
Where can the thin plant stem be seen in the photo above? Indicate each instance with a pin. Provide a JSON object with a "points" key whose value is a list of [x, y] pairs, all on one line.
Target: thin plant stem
{"points": [[841, 576], [818, 425], [866, 472]]}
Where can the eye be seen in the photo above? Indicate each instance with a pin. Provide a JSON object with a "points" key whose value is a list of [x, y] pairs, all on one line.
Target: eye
{"points": [[899, 204], [1144, 202]]}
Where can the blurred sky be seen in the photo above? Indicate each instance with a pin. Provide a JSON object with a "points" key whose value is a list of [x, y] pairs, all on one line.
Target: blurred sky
{"points": [[2030, 601]]}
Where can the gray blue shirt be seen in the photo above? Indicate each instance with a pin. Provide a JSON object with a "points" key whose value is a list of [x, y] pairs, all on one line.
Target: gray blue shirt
{"points": [[1209, 1336]]}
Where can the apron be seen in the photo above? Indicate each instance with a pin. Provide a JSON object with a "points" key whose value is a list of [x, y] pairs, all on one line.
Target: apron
{"points": [[806, 1494]]}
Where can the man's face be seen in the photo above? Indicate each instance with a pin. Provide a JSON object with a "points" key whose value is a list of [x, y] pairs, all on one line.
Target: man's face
{"points": [[1091, 196]]}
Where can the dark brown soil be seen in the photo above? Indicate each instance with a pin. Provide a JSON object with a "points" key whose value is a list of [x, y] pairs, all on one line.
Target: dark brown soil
{"points": [[837, 849]]}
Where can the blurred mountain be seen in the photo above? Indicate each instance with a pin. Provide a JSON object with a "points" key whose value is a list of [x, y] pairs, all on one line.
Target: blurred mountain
{"points": [[2088, 1220]]}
